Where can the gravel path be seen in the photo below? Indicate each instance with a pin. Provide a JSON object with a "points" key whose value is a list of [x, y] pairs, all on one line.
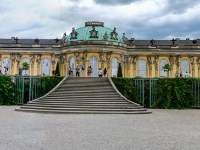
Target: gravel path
{"points": [[161, 130]]}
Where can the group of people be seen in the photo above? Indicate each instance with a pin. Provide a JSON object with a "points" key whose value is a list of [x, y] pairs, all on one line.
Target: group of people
{"points": [[80, 68], [187, 74]]}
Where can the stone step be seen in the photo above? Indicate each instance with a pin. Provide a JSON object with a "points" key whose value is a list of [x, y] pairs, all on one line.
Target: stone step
{"points": [[86, 98], [103, 91], [86, 84], [84, 88], [118, 106], [85, 109], [80, 102], [81, 111], [84, 94]]}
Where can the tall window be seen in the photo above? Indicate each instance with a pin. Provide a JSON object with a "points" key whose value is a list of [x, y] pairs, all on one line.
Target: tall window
{"points": [[26, 72], [185, 66], [115, 65], [142, 68], [72, 64], [93, 62], [5, 64], [162, 64], [46, 67]]}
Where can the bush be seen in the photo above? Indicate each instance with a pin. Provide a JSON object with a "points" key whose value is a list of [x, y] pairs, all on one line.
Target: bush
{"points": [[7, 90]]}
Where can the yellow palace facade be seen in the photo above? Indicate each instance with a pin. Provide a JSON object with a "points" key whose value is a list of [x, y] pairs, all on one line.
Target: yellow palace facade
{"points": [[100, 47]]}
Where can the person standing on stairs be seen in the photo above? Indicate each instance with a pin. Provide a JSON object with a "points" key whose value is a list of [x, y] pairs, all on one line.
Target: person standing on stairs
{"points": [[89, 71], [77, 71], [104, 72], [100, 72]]}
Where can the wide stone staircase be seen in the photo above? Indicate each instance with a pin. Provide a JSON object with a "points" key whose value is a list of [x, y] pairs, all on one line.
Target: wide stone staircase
{"points": [[84, 95]]}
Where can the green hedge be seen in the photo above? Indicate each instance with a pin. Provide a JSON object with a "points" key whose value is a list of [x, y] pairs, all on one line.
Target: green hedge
{"points": [[49, 82], [172, 93], [7, 90]]}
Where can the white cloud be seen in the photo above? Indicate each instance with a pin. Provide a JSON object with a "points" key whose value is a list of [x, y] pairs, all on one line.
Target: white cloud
{"points": [[141, 19]]}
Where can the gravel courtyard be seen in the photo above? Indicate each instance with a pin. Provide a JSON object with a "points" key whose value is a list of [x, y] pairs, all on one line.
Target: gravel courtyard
{"points": [[161, 130]]}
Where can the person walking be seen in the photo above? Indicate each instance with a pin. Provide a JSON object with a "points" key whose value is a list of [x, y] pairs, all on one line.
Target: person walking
{"points": [[104, 72], [100, 72]]}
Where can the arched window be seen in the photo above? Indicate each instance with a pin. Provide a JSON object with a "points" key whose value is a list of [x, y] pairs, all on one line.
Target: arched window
{"points": [[185, 67], [72, 64], [162, 64], [93, 62], [142, 68], [26, 72], [5, 68], [45, 67], [115, 64]]}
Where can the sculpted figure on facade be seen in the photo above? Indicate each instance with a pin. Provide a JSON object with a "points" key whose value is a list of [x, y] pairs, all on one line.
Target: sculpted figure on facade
{"points": [[53, 61], [64, 37], [84, 57], [178, 61], [106, 36], [101, 56], [129, 58], [124, 38], [198, 63], [12, 58], [18, 60], [171, 60], [58, 57], [192, 62], [76, 54], [38, 60], [32, 60], [156, 63], [135, 61], [149, 62], [108, 56]]}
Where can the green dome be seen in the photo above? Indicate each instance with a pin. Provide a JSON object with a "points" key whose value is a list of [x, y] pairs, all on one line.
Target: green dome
{"points": [[85, 34]]}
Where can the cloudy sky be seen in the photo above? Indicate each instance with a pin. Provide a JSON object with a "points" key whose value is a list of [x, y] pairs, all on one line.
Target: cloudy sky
{"points": [[139, 19]]}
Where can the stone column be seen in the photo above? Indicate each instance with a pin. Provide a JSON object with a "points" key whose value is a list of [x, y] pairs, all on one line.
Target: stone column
{"points": [[149, 67], [134, 65], [171, 60], [32, 61], [38, 60], [193, 66], [156, 65], [12, 59]]}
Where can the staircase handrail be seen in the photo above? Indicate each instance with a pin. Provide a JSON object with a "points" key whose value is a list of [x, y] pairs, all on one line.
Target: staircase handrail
{"points": [[113, 85], [53, 88]]}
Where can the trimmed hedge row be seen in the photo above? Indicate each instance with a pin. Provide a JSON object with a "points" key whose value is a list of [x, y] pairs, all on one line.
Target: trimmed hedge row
{"points": [[172, 93]]}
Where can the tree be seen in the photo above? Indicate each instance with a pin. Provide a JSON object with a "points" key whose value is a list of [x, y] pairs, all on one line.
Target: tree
{"points": [[25, 66], [57, 73], [119, 71], [167, 67]]}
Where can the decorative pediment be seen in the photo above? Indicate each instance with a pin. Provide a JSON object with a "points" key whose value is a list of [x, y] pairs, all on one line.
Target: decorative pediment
{"points": [[114, 34], [93, 33], [73, 34]]}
